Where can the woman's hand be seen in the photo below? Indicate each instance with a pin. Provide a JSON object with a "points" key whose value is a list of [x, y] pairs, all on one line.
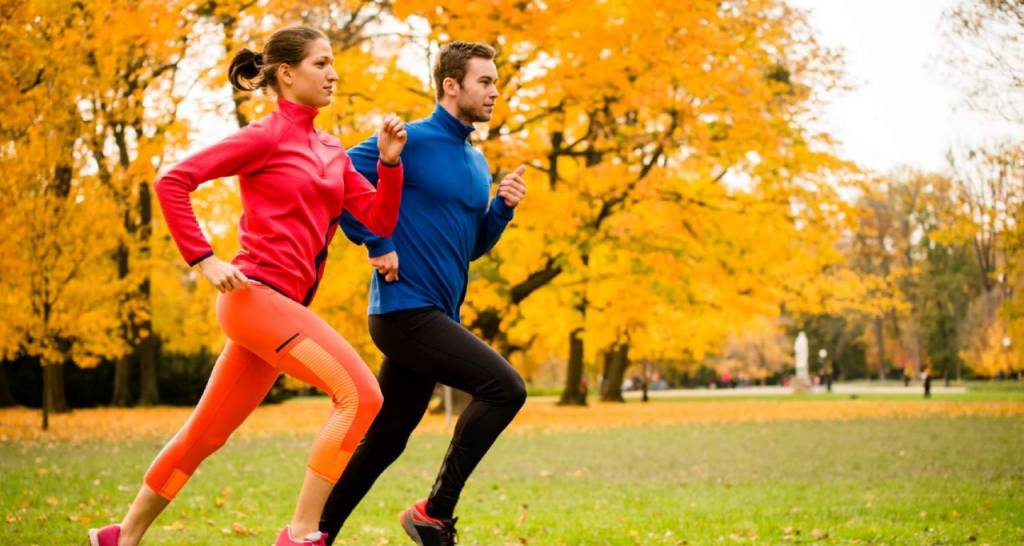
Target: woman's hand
{"points": [[223, 275], [391, 139]]}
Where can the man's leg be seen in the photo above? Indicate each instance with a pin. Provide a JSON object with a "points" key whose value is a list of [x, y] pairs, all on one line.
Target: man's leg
{"points": [[437, 347], [406, 397]]}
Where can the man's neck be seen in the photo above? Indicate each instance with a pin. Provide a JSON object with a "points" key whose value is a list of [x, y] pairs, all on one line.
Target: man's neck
{"points": [[454, 110]]}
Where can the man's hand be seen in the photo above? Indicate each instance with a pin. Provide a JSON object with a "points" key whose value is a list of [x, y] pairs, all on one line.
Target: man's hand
{"points": [[225, 276], [512, 188], [386, 265], [391, 139]]}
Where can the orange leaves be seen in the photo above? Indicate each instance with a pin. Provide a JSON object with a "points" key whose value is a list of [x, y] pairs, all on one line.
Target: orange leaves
{"points": [[630, 113], [302, 418], [549, 417]]}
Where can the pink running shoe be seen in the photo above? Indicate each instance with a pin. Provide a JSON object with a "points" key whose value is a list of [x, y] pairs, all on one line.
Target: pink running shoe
{"points": [[106, 536], [315, 538]]}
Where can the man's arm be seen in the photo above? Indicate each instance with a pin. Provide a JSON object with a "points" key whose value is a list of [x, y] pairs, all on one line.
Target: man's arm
{"points": [[511, 191]]}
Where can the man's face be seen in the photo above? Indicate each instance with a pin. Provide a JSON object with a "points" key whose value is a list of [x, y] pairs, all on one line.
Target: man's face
{"points": [[475, 97]]}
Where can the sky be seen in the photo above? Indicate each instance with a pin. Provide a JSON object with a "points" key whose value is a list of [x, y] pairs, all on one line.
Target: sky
{"points": [[905, 108]]}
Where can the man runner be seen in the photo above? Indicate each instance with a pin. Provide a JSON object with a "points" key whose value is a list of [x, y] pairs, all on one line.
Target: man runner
{"points": [[445, 222]]}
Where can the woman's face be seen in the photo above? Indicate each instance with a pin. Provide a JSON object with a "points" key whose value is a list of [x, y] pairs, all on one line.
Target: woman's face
{"points": [[312, 81]]}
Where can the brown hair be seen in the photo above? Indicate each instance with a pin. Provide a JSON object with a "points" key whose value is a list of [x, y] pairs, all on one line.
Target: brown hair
{"points": [[452, 60], [250, 70]]}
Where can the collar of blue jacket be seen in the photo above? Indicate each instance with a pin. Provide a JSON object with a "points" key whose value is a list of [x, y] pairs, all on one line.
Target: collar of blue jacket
{"points": [[451, 123]]}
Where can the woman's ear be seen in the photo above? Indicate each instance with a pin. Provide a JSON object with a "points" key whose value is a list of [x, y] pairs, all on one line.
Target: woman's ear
{"points": [[284, 74]]}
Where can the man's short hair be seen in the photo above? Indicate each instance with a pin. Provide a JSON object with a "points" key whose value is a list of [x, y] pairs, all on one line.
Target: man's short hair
{"points": [[452, 61]]}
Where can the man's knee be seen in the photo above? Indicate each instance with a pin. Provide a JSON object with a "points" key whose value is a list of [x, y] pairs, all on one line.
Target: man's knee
{"points": [[515, 392], [520, 392]]}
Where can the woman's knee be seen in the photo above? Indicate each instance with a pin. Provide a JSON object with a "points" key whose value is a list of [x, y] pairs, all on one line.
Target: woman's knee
{"points": [[365, 399], [370, 399], [193, 445]]}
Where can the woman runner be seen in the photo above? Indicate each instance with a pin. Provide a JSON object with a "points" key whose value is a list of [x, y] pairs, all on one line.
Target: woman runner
{"points": [[295, 181]]}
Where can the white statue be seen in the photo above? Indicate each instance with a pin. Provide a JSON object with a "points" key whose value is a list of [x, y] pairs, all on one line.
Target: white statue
{"points": [[802, 381], [800, 347]]}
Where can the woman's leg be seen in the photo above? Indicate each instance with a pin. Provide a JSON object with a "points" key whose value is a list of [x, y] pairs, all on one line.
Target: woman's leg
{"points": [[239, 382], [299, 343]]}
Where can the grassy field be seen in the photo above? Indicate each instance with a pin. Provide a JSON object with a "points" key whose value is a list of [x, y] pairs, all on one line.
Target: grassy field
{"points": [[853, 472]]}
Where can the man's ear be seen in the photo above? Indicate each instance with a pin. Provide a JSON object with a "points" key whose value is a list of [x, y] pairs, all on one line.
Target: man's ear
{"points": [[450, 86]]}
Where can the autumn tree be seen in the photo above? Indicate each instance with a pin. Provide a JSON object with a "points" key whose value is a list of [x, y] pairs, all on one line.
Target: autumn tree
{"points": [[989, 187], [59, 224], [599, 97], [988, 54], [132, 50]]}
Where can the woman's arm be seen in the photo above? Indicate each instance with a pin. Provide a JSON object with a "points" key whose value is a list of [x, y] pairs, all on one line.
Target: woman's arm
{"points": [[242, 153], [377, 208]]}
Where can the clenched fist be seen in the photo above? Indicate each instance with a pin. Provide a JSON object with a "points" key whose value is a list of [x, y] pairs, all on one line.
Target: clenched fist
{"points": [[386, 265], [391, 139], [512, 188]]}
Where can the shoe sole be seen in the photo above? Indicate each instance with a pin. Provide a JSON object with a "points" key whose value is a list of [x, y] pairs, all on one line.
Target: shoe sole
{"points": [[94, 539], [410, 528]]}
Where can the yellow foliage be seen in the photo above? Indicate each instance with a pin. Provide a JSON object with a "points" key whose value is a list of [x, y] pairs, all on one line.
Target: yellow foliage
{"points": [[678, 198]]}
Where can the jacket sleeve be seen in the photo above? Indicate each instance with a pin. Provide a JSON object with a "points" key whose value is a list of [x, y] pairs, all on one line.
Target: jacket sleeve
{"points": [[242, 153], [365, 158], [492, 225]]}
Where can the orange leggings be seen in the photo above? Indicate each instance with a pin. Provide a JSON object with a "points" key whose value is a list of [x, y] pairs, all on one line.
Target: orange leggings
{"points": [[267, 334]]}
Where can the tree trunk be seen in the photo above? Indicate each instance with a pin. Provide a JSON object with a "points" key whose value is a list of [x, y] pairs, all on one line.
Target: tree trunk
{"points": [[616, 362], [54, 400], [149, 394], [606, 358], [121, 396], [6, 398], [46, 399], [460, 399], [646, 382], [56, 391], [880, 347], [573, 393]]}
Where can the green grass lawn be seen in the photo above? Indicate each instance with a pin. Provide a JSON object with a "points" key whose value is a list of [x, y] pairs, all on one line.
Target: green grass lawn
{"points": [[906, 481]]}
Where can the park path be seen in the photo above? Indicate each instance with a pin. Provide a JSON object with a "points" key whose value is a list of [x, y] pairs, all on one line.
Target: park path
{"points": [[838, 388]]}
